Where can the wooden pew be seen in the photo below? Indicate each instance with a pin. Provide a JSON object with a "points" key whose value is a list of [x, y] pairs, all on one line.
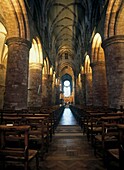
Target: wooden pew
{"points": [[18, 150]]}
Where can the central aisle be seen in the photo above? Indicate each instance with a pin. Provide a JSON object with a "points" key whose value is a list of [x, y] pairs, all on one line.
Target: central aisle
{"points": [[67, 118], [70, 149]]}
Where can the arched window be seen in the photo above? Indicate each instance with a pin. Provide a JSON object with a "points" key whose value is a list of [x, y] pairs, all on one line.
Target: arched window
{"points": [[67, 88]]}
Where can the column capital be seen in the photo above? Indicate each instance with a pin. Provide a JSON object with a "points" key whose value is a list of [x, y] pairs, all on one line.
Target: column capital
{"points": [[18, 40], [113, 40], [36, 66]]}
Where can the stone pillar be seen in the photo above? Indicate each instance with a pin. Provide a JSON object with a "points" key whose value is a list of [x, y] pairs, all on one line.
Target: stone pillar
{"points": [[114, 57], [74, 92], [57, 94], [80, 95], [80, 91], [89, 97], [77, 93], [83, 81], [53, 92], [44, 90], [34, 85], [2, 84], [50, 81], [17, 73], [99, 84]]}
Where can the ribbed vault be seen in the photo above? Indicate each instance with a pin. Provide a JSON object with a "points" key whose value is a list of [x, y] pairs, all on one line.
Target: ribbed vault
{"points": [[65, 23]]}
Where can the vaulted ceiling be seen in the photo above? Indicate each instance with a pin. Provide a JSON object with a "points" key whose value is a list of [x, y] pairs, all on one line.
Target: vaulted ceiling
{"points": [[66, 24], [66, 27]]}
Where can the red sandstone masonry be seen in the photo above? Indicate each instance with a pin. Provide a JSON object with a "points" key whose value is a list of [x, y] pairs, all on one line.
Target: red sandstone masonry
{"points": [[17, 74], [114, 54], [99, 84]]}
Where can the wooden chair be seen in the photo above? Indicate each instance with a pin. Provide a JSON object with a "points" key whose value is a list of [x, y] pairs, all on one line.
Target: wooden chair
{"points": [[14, 146], [39, 133], [116, 155], [94, 125], [108, 138]]}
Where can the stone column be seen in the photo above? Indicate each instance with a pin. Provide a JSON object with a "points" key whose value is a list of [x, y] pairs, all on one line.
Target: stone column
{"points": [[53, 93], [77, 93], [89, 94], [114, 57], [44, 90], [34, 85], [17, 74], [99, 84], [80, 91], [83, 81], [57, 94], [2, 84], [80, 95], [74, 92], [50, 81]]}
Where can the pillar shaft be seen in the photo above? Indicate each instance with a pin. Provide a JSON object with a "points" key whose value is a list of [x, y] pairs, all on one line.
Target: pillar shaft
{"points": [[44, 90], [2, 84], [99, 84], [50, 81], [77, 93], [114, 54], [34, 85], [53, 93], [17, 74], [89, 94], [83, 81], [57, 94]]}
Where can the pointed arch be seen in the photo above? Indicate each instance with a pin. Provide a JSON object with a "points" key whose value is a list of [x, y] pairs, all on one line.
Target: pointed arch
{"points": [[82, 70], [114, 22], [87, 66], [3, 47], [46, 67], [36, 55], [16, 17], [97, 51]]}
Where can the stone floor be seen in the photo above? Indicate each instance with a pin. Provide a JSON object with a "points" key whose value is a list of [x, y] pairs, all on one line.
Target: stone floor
{"points": [[70, 149]]}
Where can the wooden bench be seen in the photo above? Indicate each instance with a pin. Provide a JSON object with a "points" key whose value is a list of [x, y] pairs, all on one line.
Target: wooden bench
{"points": [[17, 151]]}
